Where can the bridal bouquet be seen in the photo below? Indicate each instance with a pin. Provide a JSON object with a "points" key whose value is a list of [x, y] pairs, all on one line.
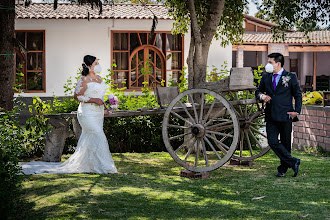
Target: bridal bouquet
{"points": [[113, 101]]}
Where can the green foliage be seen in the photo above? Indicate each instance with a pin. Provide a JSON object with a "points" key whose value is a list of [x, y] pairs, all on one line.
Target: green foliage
{"points": [[61, 105], [19, 80], [257, 75], [230, 29], [182, 84], [216, 75], [302, 15], [36, 128], [11, 140], [69, 86], [134, 134]]}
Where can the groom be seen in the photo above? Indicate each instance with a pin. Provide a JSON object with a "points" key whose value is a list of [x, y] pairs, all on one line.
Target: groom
{"points": [[277, 88]]}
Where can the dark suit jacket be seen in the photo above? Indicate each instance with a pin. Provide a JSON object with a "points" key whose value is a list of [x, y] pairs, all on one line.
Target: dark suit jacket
{"points": [[281, 103]]}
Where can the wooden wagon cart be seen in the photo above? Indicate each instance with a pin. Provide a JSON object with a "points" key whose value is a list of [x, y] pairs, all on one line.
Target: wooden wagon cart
{"points": [[206, 126]]}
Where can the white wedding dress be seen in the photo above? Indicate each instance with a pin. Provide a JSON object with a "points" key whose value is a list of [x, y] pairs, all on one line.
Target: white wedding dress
{"points": [[92, 154]]}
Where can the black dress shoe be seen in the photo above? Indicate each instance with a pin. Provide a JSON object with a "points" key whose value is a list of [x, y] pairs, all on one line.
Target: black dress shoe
{"points": [[280, 174], [296, 168]]}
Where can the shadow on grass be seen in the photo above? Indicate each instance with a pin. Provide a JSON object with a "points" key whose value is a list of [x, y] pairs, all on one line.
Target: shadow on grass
{"points": [[149, 187]]}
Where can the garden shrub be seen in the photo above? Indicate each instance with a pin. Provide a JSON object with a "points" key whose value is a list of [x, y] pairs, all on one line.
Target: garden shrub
{"points": [[11, 140]]}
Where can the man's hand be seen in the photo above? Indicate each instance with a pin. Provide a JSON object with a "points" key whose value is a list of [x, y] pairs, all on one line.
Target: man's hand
{"points": [[292, 114], [106, 112], [266, 98]]}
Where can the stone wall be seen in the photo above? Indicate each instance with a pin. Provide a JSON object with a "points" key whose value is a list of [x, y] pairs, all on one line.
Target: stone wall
{"points": [[313, 128]]}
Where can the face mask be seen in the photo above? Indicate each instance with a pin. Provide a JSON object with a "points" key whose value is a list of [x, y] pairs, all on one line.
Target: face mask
{"points": [[269, 68], [97, 68]]}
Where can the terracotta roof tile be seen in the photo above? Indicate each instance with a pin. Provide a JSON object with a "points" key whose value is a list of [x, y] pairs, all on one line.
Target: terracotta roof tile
{"points": [[316, 37], [75, 11]]}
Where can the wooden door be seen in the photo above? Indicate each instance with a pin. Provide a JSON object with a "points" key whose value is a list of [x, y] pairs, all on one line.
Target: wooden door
{"points": [[146, 64]]}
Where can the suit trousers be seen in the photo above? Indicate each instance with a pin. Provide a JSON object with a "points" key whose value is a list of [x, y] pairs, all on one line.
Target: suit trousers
{"points": [[282, 146]]}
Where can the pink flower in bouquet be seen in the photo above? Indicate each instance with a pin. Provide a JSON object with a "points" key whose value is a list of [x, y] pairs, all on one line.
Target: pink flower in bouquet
{"points": [[113, 101]]}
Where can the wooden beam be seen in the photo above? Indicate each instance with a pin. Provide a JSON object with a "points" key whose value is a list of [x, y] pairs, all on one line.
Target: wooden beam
{"points": [[314, 70], [309, 48], [251, 47], [291, 48]]}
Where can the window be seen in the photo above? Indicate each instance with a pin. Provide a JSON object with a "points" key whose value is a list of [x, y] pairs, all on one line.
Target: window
{"points": [[141, 57], [30, 66]]}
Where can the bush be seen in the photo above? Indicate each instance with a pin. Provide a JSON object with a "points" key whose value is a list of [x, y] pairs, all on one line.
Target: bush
{"points": [[11, 140]]}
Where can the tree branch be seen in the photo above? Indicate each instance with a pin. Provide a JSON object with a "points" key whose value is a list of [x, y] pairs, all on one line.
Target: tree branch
{"points": [[194, 22], [212, 20]]}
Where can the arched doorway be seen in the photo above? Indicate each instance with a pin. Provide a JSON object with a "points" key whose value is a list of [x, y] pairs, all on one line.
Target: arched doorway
{"points": [[146, 64]]}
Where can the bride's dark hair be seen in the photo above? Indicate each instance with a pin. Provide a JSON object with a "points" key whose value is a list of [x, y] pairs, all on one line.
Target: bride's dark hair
{"points": [[88, 61]]}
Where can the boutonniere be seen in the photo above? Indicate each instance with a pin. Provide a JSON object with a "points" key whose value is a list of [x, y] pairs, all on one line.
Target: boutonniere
{"points": [[285, 80]]}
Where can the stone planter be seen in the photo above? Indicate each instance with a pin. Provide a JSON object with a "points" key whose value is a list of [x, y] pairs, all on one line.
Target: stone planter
{"points": [[55, 140], [313, 128]]}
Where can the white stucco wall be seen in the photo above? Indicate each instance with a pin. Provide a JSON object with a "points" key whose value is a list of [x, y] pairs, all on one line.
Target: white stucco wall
{"points": [[68, 41]]}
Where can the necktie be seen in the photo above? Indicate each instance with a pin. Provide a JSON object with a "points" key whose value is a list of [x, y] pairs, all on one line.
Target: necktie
{"points": [[274, 80]]}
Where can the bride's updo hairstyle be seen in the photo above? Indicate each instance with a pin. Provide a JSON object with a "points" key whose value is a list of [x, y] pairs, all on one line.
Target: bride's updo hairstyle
{"points": [[88, 61]]}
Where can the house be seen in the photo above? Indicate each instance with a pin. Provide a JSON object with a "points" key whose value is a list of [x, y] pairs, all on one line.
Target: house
{"points": [[57, 41], [308, 58]]}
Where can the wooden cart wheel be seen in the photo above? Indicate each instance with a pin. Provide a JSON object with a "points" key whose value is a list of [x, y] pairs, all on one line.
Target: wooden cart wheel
{"points": [[253, 138], [194, 125]]}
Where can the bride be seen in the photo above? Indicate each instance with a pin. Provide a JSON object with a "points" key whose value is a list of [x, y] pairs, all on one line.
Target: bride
{"points": [[92, 154]]}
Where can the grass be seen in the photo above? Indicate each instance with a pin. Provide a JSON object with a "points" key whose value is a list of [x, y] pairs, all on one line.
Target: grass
{"points": [[148, 186]]}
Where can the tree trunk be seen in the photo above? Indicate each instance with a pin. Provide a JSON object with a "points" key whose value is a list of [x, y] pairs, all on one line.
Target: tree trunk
{"points": [[7, 58], [201, 38]]}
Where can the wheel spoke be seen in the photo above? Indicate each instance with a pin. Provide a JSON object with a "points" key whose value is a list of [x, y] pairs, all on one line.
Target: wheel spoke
{"points": [[197, 153], [255, 139], [258, 118], [184, 144], [209, 112], [241, 144], [262, 134], [258, 124], [178, 136], [177, 126], [202, 109], [209, 143], [216, 140], [185, 109], [249, 143], [205, 154], [231, 95], [251, 109], [219, 133], [217, 115], [222, 128], [218, 125], [179, 116], [224, 138], [189, 151], [194, 107], [239, 107], [247, 96]]}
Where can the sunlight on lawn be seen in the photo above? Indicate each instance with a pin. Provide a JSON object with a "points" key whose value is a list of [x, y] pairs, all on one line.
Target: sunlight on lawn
{"points": [[148, 186]]}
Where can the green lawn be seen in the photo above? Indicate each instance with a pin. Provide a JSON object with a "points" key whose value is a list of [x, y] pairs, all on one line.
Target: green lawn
{"points": [[148, 186]]}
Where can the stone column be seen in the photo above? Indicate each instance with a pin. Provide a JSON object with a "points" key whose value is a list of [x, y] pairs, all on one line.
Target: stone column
{"points": [[240, 57]]}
